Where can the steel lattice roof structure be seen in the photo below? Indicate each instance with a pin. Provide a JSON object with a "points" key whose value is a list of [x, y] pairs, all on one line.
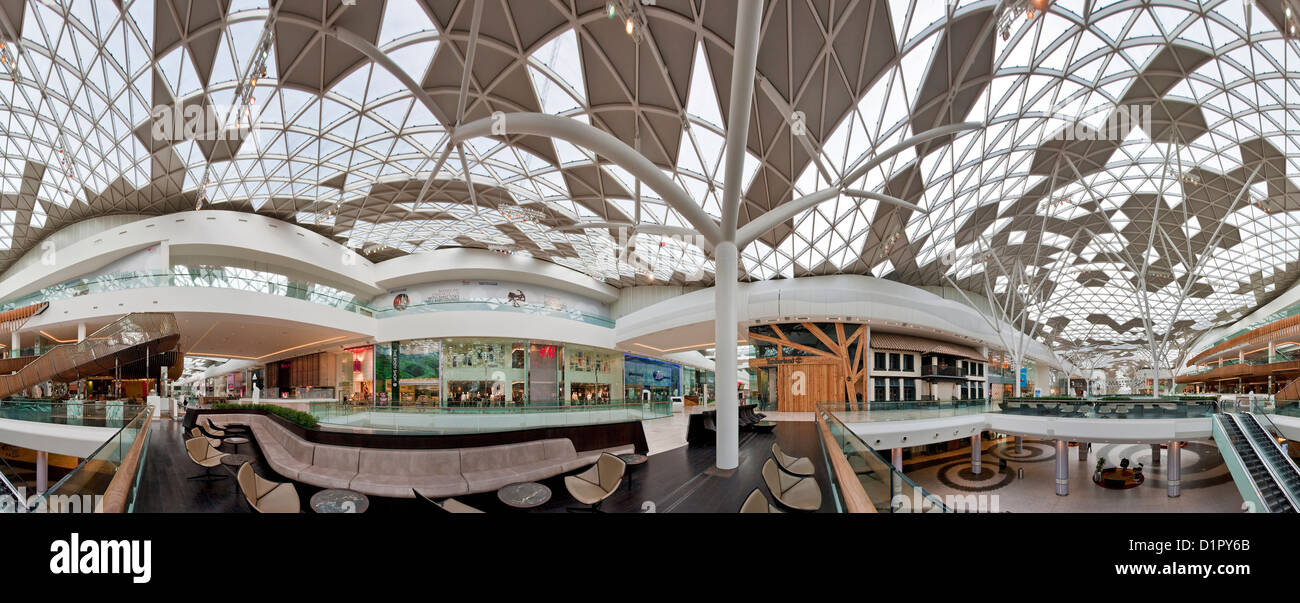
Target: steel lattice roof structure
{"points": [[1133, 151]]}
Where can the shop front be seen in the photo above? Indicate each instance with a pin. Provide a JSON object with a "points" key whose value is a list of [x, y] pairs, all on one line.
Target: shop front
{"points": [[650, 380], [485, 372], [592, 375]]}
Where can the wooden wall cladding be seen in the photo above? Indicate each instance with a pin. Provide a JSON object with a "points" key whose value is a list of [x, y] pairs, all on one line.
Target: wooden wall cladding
{"points": [[830, 375]]}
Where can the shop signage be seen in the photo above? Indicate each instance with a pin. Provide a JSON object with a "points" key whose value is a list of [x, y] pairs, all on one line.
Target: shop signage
{"points": [[395, 352]]}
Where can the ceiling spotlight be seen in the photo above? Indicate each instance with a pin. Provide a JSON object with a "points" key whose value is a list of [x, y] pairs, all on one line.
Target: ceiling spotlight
{"points": [[611, 9], [629, 26]]}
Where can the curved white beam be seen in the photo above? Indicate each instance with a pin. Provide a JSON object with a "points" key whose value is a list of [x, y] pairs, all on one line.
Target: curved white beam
{"points": [[587, 136], [749, 20], [928, 135], [373, 52], [652, 229], [769, 220], [861, 194]]}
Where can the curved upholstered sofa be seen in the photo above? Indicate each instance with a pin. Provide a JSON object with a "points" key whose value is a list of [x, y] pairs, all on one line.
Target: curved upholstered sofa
{"points": [[393, 473]]}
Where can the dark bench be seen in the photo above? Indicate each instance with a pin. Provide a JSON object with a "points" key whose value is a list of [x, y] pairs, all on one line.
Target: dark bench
{"points": [[702, 427]]}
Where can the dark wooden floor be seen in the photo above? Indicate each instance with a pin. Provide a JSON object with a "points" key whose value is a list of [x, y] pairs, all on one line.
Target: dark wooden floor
{"points": [[682, 480]]}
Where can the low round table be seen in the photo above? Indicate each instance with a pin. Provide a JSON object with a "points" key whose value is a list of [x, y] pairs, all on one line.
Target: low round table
{"points": [[236, 460], [524, 495], [763, 426], [632, 460], [1115, 478], [339, 500], [236, 441]]}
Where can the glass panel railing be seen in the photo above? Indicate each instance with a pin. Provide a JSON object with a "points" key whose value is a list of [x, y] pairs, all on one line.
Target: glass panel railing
{"points": [[889, 490], [71, 412], [1287, 408], [273, 284], [522, 307], [81, 489], [1149, 408], [446, 420], [904, 410]]}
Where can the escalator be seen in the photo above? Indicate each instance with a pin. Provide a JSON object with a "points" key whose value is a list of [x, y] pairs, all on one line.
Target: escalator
{"points": [[13, 489], [126, 341], [1263, 475], [1284, 470]]}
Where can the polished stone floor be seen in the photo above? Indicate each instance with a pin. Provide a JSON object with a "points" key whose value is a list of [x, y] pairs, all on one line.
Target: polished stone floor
{"points": [[1207, 486]]}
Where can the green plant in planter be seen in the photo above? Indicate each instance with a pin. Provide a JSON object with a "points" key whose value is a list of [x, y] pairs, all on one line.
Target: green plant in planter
{"points": [[297, 417]]}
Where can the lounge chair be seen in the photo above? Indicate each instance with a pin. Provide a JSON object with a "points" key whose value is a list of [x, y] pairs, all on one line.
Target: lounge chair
{"points": [[794, 465], [449, 505], [197, 432], [266, 496], [593, 486], [792, 491], [204, 455], [757, 503]]}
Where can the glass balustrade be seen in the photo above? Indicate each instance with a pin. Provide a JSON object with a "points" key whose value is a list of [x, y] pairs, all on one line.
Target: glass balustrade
{"points": [[888, 489], [449, 420], [904, 410], [82, 488], [272, 284]]}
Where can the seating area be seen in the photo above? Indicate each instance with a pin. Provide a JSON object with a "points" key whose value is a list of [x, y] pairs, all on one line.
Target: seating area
{"points": [[790, 481], [400, 473], [702, 427]]}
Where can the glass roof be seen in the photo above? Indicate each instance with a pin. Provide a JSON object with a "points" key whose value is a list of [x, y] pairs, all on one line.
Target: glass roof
{"points": [[1169, 198]]}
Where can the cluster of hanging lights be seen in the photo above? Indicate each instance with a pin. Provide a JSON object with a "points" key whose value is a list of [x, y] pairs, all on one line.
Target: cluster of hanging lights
{"points": [[1028, 8], [633, 20]]}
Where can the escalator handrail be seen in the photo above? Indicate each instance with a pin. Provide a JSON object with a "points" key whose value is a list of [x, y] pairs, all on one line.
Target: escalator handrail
{"points": [[1219, 419], [1294, 497], [1272, 471], [164, 326], [10, 488]]}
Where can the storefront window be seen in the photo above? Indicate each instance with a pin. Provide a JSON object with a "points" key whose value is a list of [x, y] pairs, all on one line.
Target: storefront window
{"points": [[359, 363], [418, 372], [592, 375], [650, 380], [484, 372], [699, 383]]}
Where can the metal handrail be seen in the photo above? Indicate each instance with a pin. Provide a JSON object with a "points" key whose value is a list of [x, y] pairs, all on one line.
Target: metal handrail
{"points": [[1272, 472], [1218, 422]]}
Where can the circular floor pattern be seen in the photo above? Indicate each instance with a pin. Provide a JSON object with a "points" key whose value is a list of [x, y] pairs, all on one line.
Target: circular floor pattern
{"points": [[1206, 458], [965, 480], [1034, 452]]}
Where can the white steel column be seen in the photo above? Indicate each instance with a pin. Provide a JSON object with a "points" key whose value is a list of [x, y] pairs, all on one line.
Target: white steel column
{"points": [[1062, 468], [1020, 444], [42, 471], [749, 20], [1155, 455], [81, 331], [1175, 470], [896, 455], [14, 344], [975, 451], [724, 330]]}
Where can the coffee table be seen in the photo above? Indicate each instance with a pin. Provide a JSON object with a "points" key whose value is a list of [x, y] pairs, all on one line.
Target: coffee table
{"points": [[524, 495], [236, 460], [632, 460], [236, 441], [339, 500]]}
